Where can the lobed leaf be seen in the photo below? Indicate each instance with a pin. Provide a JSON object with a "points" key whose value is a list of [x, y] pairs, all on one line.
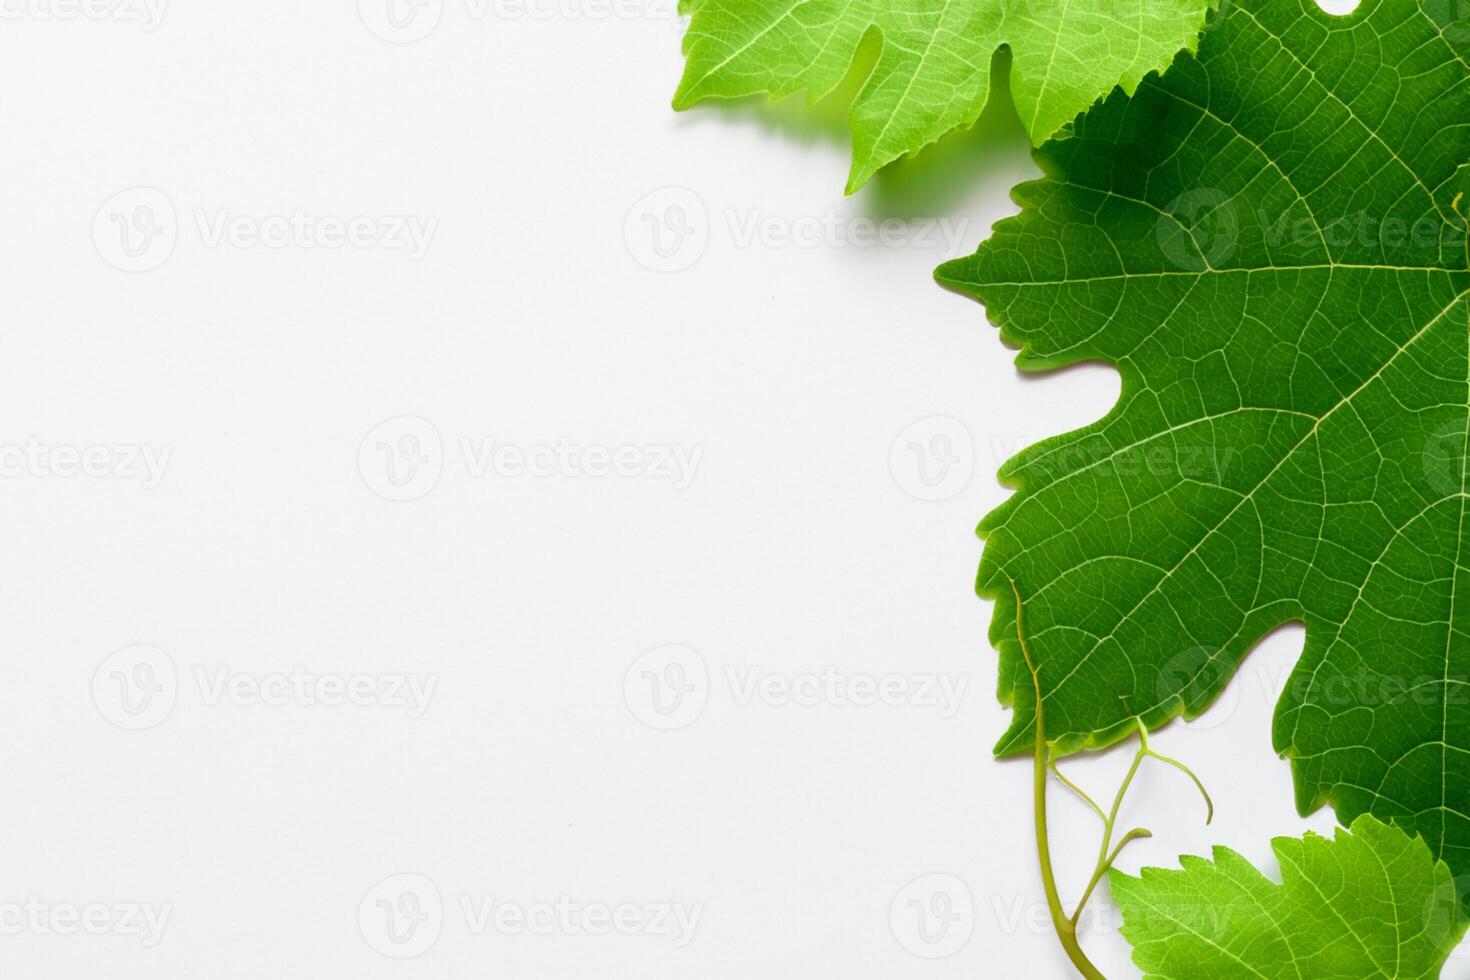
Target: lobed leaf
{"points": [[1372, 903], [932, 72], [1268, 242]]}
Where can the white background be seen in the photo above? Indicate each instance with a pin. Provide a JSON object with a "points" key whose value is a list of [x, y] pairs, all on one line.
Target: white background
{"points": [[804, 376]]}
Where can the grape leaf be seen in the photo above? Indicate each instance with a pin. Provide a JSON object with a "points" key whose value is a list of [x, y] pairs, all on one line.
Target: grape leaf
{"points": [[932, 73], [1267, 242], [1370, 903]]}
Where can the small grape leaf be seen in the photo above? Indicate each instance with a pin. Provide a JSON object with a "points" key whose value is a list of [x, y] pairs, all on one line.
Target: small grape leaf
{"points": [[933, 70], [1267, 241], [1372, 903]]}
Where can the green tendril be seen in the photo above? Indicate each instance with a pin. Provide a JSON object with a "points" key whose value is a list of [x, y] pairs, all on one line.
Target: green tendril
{"points": [[1046, 765]]}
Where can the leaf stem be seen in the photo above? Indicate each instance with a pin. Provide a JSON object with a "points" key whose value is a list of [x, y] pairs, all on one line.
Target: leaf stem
{"points": [[1066, 929], [1138, 833], [1107, 855], [1102, 854]]}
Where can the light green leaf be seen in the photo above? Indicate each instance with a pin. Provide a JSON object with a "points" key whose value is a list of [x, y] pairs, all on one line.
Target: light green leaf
{"points": [[1372, 903], [932, 73], [1265, 242]]}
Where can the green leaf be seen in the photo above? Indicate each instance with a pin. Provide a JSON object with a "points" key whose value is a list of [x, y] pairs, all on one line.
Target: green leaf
{"points": [[1265, 242], [932, 73], [1370, 903]]}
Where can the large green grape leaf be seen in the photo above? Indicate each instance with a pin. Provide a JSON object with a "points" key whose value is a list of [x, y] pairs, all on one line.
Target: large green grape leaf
{"points": [[1372, 903], [933, 70], [1264, 241]]}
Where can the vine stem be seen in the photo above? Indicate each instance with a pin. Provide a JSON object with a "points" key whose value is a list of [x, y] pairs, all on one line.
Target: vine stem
{"points": [[1107, 856], [1066, 928]]}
